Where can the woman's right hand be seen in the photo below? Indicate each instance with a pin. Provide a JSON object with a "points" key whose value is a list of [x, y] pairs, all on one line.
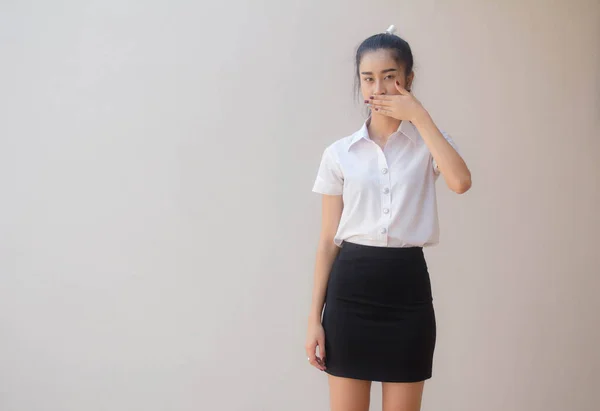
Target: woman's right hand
{"points": [[316, 338]]}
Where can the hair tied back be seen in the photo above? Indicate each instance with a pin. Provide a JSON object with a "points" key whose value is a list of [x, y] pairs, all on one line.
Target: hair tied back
{"points": [[391, 30]]}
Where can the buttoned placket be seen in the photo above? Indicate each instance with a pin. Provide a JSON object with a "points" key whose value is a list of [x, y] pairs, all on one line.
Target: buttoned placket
{"points": [[386, 203]]}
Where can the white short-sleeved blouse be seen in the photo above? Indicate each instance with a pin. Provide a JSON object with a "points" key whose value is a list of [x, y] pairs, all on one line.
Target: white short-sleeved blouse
{"points": [[389, 195]]}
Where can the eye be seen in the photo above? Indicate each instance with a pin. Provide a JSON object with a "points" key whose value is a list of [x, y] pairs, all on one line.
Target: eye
{"points": [[390, 76], [368, 79]]}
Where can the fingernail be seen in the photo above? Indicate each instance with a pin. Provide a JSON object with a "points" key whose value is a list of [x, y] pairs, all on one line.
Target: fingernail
{"points": [[366, 101], [376, 109], [371, 97]]}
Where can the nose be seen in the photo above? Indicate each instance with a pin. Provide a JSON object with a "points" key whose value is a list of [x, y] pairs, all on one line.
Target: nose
{"points": [[379, 88]]}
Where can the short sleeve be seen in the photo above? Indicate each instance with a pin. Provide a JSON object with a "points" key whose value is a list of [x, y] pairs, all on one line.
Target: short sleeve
{"points": [[329, 177], [449, 139]]}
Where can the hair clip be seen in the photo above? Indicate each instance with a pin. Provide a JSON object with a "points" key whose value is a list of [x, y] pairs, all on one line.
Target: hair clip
{"points": [[391, 30]]}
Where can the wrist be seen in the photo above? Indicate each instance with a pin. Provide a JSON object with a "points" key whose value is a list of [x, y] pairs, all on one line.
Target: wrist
{"points": [[314, 318], [421, 117]]}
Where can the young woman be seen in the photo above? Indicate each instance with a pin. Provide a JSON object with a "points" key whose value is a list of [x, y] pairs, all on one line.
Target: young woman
{"points": [[372, 316]]}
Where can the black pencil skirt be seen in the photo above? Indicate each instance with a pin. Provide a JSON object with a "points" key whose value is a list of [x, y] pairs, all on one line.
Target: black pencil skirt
{"points": [[379, 318]]}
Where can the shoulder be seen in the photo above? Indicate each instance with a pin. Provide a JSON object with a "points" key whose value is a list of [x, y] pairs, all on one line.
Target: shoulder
{"points": [[338, 147]]}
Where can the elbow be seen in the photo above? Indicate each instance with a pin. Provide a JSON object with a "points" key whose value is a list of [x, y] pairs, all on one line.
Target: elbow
{"points": [[462, 184]]}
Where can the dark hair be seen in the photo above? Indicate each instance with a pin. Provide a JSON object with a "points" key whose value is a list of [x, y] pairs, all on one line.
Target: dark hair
{"points": [[400, 49]]}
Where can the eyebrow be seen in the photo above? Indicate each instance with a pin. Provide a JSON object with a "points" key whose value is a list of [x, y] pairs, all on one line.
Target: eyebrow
{"points": [[382, 72]]}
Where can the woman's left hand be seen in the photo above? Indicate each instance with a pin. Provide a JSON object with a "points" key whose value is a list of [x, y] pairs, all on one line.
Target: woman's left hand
{"points": [[403, 106]]}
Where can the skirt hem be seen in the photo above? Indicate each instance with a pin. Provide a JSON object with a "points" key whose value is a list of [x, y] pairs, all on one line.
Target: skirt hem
{"points": [[374, 379]]}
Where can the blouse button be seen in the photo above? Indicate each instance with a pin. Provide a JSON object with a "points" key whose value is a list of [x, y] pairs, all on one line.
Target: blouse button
{"points": [[386, 190], [384, 170], [382, 230], [385, 210]]}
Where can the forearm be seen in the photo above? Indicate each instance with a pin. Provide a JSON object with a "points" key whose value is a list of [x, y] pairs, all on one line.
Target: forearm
{"points": [[326, 254], [451, 165]]}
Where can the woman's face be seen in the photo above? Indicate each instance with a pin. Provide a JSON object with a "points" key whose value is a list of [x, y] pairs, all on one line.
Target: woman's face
{"points": [[378, 74]]}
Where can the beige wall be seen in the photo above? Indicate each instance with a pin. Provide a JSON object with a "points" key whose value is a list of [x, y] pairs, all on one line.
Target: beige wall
{"points": [[157, 228]]}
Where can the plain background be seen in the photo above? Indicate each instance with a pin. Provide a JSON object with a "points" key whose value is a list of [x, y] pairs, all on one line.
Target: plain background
{"points": [[158, 229]]}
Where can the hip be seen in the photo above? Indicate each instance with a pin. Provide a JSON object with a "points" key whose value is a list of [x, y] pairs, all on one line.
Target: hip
{"points": [[382, 276]]}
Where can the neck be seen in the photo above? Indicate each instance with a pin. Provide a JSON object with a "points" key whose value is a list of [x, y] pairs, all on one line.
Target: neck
{"points": [[381, 127]]}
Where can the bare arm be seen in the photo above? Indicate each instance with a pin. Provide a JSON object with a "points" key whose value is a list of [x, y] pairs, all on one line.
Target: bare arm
{"points": [[451, 165], [332, 207], [327, 250]]}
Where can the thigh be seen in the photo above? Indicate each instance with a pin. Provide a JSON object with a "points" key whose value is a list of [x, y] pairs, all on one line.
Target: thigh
{"points": [[402, 396], [347, 394]]}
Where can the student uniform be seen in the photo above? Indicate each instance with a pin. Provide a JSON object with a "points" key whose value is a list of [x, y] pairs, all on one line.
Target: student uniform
{"points": [[379, 318]]}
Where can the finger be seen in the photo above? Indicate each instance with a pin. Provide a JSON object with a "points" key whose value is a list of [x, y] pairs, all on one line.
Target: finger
{"points": [[376, 107], [401, 89], [380, 103], [384, 111], [381, 97], [311, 354], [321, 364], [317, 363], [311, 351], [321, 343]]}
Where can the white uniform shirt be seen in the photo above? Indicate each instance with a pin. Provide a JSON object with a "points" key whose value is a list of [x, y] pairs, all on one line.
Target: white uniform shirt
{"points": [[389, 195]]}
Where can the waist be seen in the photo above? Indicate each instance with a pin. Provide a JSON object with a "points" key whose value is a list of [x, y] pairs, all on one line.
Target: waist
{"points": [[354, 250]]}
